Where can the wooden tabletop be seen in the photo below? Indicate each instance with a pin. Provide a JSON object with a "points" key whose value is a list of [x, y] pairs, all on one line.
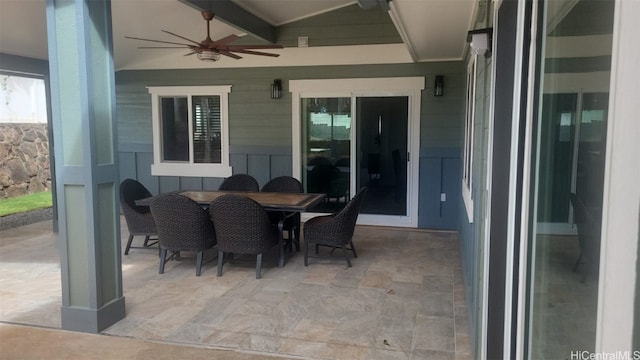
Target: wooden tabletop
{"points": [[270, 200]]}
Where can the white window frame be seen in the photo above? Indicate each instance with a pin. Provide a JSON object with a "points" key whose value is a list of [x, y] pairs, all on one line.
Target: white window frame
{"points": [[469, 124], [173, 168]]}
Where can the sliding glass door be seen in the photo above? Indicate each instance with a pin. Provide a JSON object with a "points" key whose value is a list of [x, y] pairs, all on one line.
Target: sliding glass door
{"points": [[380, 156], [567, 171], [381, 153], [359, 138]]}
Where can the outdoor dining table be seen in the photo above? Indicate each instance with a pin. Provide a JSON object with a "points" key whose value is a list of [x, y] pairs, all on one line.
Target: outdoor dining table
{"points": [[272, 201]]}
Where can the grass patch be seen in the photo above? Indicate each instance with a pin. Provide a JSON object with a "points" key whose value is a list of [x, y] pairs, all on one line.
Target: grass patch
{"points": [[25, 203]]}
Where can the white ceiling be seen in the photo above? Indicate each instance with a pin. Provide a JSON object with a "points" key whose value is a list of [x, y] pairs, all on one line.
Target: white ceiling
{"points": [[23, 28], [280, 12], [433, 30]]}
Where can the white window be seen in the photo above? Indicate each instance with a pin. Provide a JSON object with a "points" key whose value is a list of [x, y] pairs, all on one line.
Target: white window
{"points": [[190, 131], [467, 189]]}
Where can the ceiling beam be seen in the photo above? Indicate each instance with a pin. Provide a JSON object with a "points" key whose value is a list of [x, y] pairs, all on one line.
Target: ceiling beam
{"points": [[370, 4], [234, 15], [397, 21]]}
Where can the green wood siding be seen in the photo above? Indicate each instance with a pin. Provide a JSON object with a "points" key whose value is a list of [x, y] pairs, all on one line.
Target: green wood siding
{"points": [[257, 120], [260, 127], [349, 25]]}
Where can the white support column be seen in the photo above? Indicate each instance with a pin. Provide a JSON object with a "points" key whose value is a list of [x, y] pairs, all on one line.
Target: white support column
{"points": [[83, 114]]}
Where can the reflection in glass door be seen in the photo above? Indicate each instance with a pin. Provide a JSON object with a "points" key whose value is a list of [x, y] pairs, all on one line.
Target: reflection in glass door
{"points": [[380, 161], [572, 130], [557, 135], [326, 149], [567, 180]]}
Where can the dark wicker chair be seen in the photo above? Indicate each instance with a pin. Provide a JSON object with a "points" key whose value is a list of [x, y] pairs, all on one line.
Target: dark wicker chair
{"points": [[589, 227], [319, 177], [183, 225], [283, 184], [240, 182], [292, 224], [243, 227], [335, 231], [338, 185], [138, 218]]}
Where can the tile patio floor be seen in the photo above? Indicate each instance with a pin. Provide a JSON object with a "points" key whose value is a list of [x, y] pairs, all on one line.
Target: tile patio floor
{"points": [[402, 299]]}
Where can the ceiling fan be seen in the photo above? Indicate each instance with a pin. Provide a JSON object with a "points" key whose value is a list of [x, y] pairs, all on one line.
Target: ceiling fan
{"points": [[210, 50]]}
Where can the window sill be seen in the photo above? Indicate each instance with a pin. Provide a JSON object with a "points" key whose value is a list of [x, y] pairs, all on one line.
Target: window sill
{"points": [[191, 170]]}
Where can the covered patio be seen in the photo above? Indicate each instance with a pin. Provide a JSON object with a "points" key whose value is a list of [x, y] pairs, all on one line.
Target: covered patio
{"points": [[402, 299]]}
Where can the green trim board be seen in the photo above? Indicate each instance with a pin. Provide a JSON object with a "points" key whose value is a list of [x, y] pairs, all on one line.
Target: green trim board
{"points": [[93, 320]]}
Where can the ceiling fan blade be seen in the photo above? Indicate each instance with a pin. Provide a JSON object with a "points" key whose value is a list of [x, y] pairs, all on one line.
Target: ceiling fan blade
{"points": [[225, 40], [210, 47], [255, 52], [181, 37], [161, 47], [157, 41], [241, 47], [231, 55]]}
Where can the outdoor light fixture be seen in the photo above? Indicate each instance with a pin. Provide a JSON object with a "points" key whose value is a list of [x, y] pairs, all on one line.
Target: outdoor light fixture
{"points": [[209, 55], [276, 89], [480, 41], [438, 86]]}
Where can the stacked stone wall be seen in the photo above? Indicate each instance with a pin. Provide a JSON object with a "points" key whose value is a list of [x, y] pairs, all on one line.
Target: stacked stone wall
{"points": [[24, 159]]}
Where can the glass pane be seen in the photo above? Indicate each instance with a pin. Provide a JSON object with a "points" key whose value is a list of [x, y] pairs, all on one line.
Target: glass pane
{"points": [[591, 149], [207, 129], [175, 129], [382, 153], [326, 134], [568, 179], [557, 134]]}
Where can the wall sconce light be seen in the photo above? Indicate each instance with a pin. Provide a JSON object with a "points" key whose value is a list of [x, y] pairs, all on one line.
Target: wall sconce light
{"points": [[438, 86], [276, 89], [480, 41]]}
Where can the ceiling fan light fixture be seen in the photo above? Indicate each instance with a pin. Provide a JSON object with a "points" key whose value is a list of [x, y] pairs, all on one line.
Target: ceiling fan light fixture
{"points": [[209, 55]]}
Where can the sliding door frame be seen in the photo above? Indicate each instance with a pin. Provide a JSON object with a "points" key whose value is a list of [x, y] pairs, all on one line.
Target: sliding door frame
{"points": [[366, 87], [616, 326]]}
